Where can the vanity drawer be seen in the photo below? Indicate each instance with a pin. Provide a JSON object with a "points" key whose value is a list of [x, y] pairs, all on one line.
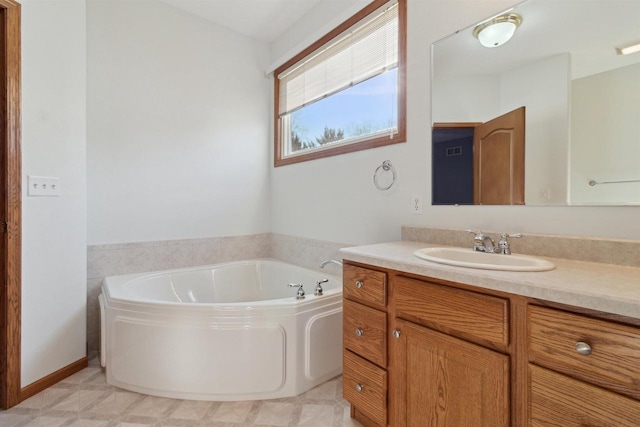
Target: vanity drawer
{"points": [[365, 285], [364, 331], [469, 315], [364, 385], [558, 400], [614, 360]]}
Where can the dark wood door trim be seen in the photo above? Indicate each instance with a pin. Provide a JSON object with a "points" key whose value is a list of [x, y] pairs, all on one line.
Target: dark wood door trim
{"points": [[10, 204]]}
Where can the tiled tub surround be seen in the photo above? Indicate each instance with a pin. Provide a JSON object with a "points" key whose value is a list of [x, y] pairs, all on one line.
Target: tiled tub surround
{"points": [[129, 258]]}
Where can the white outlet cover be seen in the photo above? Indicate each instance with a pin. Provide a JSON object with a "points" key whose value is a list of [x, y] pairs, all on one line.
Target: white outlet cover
{"points": [[416, 204], [43, 186]]}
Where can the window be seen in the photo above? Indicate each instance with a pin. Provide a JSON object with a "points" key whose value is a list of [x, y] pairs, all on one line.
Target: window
{"points": [[346, 92]]}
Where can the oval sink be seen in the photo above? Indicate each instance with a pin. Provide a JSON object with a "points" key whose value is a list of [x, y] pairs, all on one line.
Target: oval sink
{"points": [[462, 257]]}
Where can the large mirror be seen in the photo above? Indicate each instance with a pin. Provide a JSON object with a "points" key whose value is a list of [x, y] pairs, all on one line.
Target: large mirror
{"points": [[578, 96]]}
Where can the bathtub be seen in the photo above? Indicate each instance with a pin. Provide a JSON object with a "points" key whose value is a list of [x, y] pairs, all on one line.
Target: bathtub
{"points": [[232, 331]]}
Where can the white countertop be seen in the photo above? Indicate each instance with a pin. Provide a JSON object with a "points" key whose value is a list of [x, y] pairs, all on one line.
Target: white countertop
{"points": [[605, 287]]}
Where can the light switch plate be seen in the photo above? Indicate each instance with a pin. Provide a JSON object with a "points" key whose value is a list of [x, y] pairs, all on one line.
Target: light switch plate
{"points": [[47, 186]]}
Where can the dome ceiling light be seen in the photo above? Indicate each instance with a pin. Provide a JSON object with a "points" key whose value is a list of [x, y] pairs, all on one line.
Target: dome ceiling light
{"points": [[497, 31]]}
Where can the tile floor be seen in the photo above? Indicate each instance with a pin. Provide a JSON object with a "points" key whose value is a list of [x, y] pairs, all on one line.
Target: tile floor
{"points": [[86, 400]]}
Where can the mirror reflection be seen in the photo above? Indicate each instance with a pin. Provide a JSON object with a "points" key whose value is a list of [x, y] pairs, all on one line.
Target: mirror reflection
{"points": [[549, 117]]}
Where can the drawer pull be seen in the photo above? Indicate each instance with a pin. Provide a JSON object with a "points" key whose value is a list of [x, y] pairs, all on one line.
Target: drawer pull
{"points": [[359, 284], [359, 388], [396, 334], [583, 348], [359, 332]]}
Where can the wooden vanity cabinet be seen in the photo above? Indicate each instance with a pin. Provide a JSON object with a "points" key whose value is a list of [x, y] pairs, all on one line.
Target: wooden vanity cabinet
{"points": [[445, 381], [447, 369], [364, 379], [444, 354], [582, 371]]}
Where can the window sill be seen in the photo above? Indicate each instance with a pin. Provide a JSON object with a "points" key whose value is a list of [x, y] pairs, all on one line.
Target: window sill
{"points": [[341, 149]]}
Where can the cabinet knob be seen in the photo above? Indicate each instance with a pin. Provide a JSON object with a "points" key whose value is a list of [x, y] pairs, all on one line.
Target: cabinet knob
{"points": [[359, 284], [359, 332], [583, 348], [359, 388], [396, 334]]}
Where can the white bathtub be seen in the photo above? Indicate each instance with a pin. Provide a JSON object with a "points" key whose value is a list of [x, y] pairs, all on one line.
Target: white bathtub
{"points": [[231, 331]]}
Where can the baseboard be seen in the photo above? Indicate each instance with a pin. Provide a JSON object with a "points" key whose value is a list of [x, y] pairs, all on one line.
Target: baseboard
{"points": [[53, 378]]}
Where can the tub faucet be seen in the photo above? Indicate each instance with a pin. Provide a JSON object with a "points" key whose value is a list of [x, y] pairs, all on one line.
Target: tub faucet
{"points": [[330, 261], [318, 291], [300, 293]]}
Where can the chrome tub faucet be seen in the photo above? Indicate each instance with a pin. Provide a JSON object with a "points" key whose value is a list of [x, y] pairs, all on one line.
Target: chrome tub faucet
{"points": [[330, 261], [318, 291]]}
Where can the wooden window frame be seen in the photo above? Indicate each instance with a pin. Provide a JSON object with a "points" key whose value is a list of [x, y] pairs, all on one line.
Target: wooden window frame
{"points": [[379, 141]]}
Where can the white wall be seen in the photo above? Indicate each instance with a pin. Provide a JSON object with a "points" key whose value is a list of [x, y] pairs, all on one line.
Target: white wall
{"points": [[615, 118], [326, 15], [178, 126], [53, 144], [334, 198], [544, 88], [470, 98]]}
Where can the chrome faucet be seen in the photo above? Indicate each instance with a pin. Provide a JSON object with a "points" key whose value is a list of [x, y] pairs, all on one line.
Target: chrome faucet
{"points": [[318, 291], [300, 293], [504, 247], [480, 241], [330, 261]]}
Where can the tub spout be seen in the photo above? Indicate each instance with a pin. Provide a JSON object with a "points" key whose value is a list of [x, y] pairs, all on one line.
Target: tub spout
{"points": [[330, 261]]}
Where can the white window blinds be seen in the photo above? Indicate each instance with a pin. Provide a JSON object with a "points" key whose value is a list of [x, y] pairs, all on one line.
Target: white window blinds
{"points": [[364, 51]]}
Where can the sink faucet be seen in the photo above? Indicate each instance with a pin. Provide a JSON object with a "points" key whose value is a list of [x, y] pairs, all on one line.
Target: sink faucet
{"points": [[504, 246], [480, 241], [330, 261]]}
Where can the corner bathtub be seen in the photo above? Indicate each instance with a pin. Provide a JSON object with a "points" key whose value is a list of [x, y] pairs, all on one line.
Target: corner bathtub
{"points": [[232, 331]]}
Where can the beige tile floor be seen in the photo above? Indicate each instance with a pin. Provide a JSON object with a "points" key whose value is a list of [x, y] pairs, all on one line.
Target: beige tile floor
{"points": [[86, 400]]}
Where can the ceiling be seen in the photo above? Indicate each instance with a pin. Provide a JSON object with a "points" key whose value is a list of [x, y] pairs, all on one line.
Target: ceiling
{"points": [[262, 20]]}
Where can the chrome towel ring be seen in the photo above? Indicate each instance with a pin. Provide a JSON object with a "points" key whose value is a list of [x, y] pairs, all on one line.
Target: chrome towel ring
{"points": [[386, 166]]}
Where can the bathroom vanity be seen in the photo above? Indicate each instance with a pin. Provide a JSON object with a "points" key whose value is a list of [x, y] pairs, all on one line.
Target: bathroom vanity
{"points": [[433, 345]]}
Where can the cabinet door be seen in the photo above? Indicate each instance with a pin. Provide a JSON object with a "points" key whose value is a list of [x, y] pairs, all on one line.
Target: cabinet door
{"points": [[447, 382]]}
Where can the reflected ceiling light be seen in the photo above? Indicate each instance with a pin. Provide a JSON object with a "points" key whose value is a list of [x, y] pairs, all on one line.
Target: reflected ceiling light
{"points": [[497, 31], [626, 50]]}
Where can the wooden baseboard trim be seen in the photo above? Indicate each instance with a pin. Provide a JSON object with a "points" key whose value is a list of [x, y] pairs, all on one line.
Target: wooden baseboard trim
{"points": [[53, 378]]}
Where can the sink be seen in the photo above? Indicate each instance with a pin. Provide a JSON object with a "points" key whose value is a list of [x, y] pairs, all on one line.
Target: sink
{"points": [[462, 257]]}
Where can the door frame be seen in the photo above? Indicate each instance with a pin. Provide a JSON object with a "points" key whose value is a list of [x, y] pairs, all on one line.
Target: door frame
{"points": [[10, 204]]}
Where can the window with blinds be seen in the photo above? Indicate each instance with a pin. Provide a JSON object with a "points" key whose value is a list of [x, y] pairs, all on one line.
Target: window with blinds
{"points": [[346, 92]]}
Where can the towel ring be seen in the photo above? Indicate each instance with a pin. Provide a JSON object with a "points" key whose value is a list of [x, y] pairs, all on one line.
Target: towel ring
{"points": [[384, 167]]}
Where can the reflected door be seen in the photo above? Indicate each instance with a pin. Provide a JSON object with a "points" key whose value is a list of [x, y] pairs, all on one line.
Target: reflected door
{"points": [[498, 160]]}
